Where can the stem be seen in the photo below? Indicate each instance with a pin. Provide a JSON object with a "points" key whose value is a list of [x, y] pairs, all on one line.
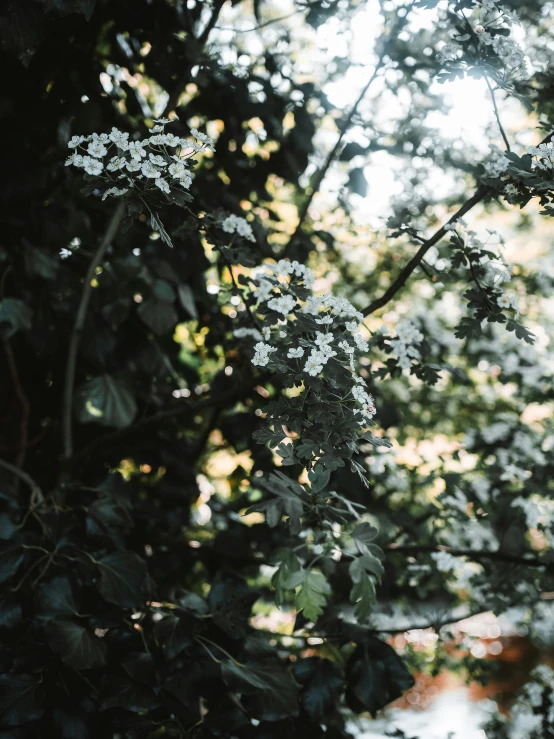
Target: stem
{"points": [[67, 431], [24, 403], [36, 492], [320, 175], [497, 114]]}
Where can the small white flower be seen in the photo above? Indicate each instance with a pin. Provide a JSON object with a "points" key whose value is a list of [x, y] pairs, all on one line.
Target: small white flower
{"points": [[134, 165], [186, 180], [116, 163], [65, 253], [295, 353], [157, 160], [75, 141], [136, 149], [284, 304], [119, 139], [149, 170], [92, 166], [97, 149], [313, 367], [163, 185], [177, 170]]}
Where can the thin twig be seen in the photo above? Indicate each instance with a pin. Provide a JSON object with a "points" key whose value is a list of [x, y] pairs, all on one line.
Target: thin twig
{"points": [[271, 21], [497, 114], [23, 402], [476, 555], [35, 490], [320, 175], [67, 429]]}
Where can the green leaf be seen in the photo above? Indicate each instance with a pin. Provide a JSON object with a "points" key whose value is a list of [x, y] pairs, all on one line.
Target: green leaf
{"points": [[55, 598], [323, 682], [120, 692], [106, 401], [368, 563], [362, 535], [10, 561], [186, 298], [273, 693], [10, 611], [75, 645], [319, 478], [117, 312], [288, 577], [158, 226], [159, 316], [21, 699], [163, 291], [363, 596], [122, 579], [14, 316], [41, 264], [375, 676], [230, 602], [311, 599], [174, 633]]}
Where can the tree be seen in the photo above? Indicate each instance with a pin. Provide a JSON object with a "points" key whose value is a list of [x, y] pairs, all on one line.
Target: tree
{"points": [[249, 436]]}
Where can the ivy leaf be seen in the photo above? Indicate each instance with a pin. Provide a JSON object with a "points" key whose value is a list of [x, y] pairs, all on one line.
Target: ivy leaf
{"points": [[10, 611], [120, 692], [311, 599], [10, 560], [21, 699], [231, 602], [15, 316], [375, 676], [75, 645], [106, 401], [55, 598], [174, 633], [323, 682], [158, 315], [122, 579], [40, 263], [270, 691], [363, 596], [162, 290], [117, 312]]}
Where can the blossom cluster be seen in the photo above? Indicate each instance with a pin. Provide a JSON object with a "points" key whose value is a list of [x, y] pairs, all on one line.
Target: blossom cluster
{"points": [[159, 161], [403, 345], [487, 29], [235, 224], [285, 299], [533, 711]]}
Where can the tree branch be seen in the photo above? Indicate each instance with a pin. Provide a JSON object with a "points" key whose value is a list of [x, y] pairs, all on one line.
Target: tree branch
{"points": [[475, 555], [414, 262], [320, 174], [75, 339]]}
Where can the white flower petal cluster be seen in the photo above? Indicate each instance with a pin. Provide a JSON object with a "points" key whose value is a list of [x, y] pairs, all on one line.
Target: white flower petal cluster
{"points": [[407, 335], [509, 302], [242, 333], [525, 721], [235, 224], [262, 355], [496, 164], [159, 161], [339, 339]]}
